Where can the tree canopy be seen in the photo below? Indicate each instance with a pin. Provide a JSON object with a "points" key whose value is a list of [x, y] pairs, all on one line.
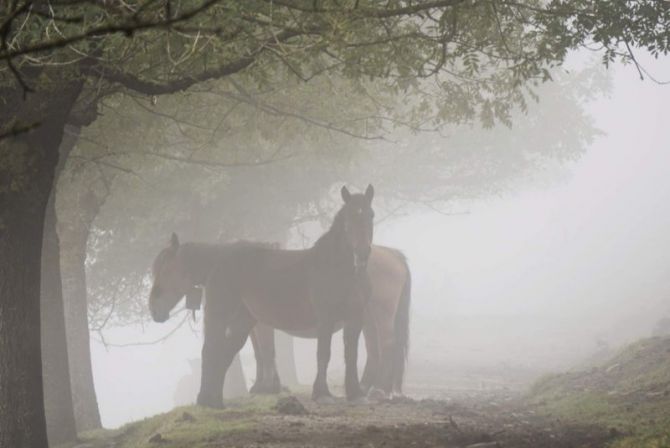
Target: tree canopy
{"points": [[477, 54]]}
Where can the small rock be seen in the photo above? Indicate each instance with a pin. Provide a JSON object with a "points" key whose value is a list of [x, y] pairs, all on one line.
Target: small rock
{"points": [[290, 406], [157, 438], [186, 417], [372, 428]]}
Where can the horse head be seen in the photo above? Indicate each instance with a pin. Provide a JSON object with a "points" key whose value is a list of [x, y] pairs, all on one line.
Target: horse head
{"points": [[170, 282], [357, 216]]}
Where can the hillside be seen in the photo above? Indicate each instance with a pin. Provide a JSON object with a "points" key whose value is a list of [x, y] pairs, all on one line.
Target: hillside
{"points": [[623, 402], [629, 394]]}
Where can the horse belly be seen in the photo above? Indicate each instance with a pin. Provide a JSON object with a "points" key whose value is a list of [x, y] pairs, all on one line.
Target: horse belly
{"points": [[312, 334], [289, 311]]}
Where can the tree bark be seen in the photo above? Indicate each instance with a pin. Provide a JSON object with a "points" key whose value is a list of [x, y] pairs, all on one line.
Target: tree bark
{"points": [[55, 369], [74, 236], [27, 165]]}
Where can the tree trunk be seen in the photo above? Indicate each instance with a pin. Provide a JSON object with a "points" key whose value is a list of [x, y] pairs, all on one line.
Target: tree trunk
{"points": [[286, 359], [27, 164], [74, 237], [55, 369], [22, 422]]}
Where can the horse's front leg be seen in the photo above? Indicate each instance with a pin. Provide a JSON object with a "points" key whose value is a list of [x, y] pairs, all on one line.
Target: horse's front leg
{"points": [[320, 390], [211, 382], [352, 332]]}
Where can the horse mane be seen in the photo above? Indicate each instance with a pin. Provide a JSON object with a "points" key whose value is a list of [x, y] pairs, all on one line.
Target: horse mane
{"points": [[159, 260], [200, 257], [261, 244], [334, 231]]}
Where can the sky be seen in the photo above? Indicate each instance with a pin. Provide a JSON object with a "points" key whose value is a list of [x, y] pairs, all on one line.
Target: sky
{"points": [[560, 265]]}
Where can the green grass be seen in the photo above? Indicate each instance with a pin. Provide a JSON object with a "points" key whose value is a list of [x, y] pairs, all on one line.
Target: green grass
{"points": [[201, 428], [629, 393]]}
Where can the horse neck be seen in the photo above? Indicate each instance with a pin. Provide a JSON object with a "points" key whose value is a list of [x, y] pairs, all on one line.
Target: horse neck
{"points": [[199, 260], [333, 245]]}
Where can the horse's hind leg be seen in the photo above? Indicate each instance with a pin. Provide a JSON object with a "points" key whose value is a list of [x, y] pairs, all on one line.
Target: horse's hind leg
{"points": [[236, 335], [267, 377], [371, 370], [259, 360], [320, 389], [385, 340], [352, 332]]}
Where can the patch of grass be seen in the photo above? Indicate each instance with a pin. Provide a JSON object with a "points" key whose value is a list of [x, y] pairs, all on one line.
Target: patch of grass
{"points": [[189, 426], [629, 393]]}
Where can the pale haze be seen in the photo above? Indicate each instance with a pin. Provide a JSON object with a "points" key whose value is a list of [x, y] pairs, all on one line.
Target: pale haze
{"points": [[535, 279]]}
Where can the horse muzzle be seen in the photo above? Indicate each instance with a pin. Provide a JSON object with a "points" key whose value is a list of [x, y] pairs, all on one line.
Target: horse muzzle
{"points": [[159, 316]]}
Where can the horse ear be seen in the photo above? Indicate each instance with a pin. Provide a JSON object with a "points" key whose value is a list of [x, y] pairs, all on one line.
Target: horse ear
{"points": [[174, 241], [345, 194], [369, 193]]}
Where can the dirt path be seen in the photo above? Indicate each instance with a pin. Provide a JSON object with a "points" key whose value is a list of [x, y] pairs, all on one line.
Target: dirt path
{"points": [[473, 421]]}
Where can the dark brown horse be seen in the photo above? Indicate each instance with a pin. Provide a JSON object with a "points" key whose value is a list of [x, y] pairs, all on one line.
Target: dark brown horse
{"points": [[385, 326], [312, 292]]}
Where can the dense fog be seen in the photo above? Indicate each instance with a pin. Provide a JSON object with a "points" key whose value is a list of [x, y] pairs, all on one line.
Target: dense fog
{"points": [[335, 223], [564, 264]]}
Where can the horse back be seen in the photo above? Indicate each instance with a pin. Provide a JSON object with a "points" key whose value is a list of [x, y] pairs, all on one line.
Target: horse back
{"points": [[388, 272]]}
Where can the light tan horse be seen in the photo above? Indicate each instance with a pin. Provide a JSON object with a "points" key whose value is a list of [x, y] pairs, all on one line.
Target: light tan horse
{"points": [[385, 327]]}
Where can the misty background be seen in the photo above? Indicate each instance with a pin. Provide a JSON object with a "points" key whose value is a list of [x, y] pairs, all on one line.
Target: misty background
{"points": [[561, 264]]}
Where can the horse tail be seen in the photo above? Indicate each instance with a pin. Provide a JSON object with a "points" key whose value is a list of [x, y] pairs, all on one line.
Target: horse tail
{"points": [[401, 330]]}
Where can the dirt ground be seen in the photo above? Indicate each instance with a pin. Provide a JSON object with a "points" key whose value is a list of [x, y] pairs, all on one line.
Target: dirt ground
{"points": [[475, 420]]}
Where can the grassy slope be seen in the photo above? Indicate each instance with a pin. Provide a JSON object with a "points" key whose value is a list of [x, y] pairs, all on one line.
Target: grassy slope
{"points": [[188, 426], [629, 393]]}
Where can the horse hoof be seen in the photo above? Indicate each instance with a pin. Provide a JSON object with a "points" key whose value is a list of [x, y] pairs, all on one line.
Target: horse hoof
{"points": [[399, 397], [376, 394]]}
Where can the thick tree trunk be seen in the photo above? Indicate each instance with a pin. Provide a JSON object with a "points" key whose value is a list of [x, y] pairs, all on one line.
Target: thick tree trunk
{"points": [[85, 400], [286, 359], [27, 164], [57, 392], [74, 237], [22, 422]]}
